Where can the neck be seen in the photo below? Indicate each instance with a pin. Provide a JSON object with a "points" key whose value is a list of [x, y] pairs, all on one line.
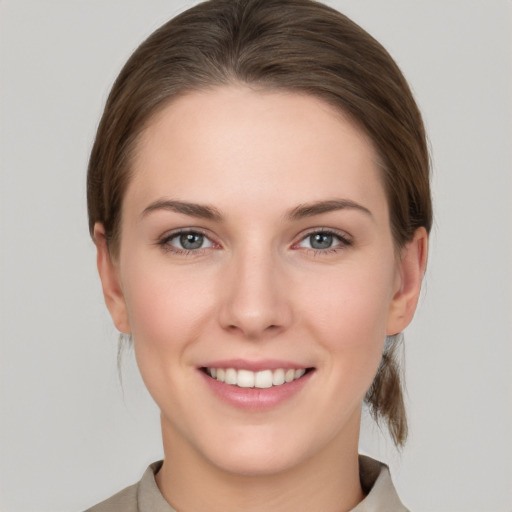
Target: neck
{"points": [[328, 481]]}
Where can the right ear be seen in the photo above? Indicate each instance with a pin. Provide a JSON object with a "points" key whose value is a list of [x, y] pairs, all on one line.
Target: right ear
{"points": [[110, 281]]}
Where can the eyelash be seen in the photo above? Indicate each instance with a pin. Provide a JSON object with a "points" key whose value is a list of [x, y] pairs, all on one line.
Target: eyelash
{"points": [[164, 242], [343, 239]]}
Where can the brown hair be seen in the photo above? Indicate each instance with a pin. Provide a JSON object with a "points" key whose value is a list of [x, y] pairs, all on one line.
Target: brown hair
{"points": [[292, 45]]}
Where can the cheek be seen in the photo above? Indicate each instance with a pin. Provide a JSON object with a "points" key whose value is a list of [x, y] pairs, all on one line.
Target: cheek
{"points": [[350, 301], [169, 309], [166, 314], [161, 307], [348, 316]]}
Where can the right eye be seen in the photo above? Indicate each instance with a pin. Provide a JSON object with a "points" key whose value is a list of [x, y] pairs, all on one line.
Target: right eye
{"points": [[186, 241]]}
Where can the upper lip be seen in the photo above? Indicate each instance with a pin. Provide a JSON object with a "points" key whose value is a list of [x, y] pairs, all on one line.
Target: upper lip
{"points": [[252, 365]]}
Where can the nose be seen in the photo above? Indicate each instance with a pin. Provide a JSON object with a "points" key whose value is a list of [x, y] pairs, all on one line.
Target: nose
{"points": [[256, 302]]}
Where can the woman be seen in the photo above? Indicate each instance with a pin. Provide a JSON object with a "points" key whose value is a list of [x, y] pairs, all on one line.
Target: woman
{"points": [[259, 198]]}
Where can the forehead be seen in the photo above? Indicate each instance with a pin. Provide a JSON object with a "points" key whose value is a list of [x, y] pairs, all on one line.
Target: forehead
{"points": [[235, 142]]}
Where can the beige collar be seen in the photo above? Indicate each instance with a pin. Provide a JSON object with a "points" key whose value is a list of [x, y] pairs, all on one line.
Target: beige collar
{"points": [[376, 481]]}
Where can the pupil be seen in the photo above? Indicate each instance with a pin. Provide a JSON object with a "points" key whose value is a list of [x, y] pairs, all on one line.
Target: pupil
{"points": [[191, 241], [321, 241]]}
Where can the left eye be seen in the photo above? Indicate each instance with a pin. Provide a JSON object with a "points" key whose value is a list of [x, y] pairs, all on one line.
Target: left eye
{"points": [[321, 241], [189, 241]]}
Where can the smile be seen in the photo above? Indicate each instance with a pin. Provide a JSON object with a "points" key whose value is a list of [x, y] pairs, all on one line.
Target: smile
{"points": [[261, 379]]}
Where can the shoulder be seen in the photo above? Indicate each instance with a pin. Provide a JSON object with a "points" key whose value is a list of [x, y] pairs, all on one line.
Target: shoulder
{"points": [[123, 501], [143, 496], [376, 482]]}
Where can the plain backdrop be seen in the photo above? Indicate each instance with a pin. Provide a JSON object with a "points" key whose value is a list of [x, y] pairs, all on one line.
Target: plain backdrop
{"points": [[70, 434]]}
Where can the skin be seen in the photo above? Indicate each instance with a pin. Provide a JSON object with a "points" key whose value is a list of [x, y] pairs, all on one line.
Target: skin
{"points": [[257, 289]]}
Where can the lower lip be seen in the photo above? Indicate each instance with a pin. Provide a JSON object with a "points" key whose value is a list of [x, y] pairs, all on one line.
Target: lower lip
{"points": [[256, 399]]}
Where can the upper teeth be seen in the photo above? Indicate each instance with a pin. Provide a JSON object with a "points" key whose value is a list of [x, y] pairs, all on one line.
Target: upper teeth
{"points": [[261, 379]]}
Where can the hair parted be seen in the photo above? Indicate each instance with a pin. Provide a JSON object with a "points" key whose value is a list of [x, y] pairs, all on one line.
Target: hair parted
{"points": [[291, 45]]}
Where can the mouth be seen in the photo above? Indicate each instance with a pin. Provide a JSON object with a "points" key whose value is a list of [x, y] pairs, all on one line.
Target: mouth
{"points": [[262, 379]]}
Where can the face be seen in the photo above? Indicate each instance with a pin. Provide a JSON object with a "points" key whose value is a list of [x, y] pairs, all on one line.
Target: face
{"points": [[258, 276]]}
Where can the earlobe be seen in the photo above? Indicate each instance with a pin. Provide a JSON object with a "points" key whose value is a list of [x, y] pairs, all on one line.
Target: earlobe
{"points": [[411, 267], [110, 282]]}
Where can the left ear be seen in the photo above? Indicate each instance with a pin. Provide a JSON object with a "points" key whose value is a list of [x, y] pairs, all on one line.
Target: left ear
{"points": [[411, 267]]}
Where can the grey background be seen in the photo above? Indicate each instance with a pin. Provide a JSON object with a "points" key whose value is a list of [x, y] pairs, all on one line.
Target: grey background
{"points": [[69, 434]]}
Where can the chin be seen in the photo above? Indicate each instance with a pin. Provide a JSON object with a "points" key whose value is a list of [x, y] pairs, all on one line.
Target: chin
{"points": [[258, 452], [263, 463]]}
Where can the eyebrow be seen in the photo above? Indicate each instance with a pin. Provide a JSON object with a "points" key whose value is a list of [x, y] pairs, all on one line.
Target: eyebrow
{"points": [[192, 209], [310, 209], [209, 212]]}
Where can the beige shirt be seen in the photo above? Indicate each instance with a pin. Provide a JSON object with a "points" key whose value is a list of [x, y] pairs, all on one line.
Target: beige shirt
{"points": [[145, 496]]}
